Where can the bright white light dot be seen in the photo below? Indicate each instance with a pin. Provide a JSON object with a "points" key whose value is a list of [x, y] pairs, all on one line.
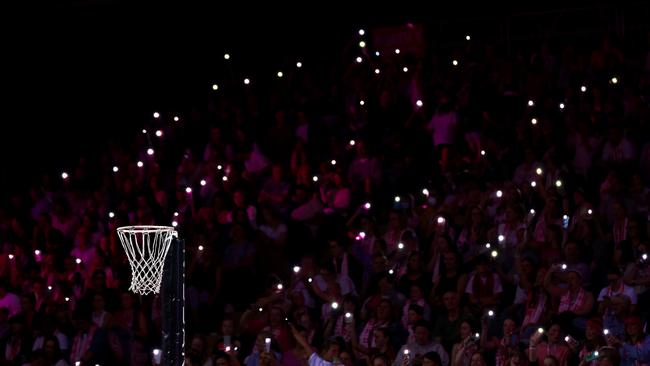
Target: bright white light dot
{"points": [[188, 190], [203, 182], [298, 64], [390, 271], [367, 205], [140, 164], [406, 351], [644, 256], [482, 152], [149, 151], [490, 313], [64, 175], [425, 192], [37, 252], [309, 280], [539, 171], [467, 37], [116, 169], [564, 266], [405, 69], [531, 103], [454, 62], [362, 102], [348, 315], [67, 299], [352, 142], [397, 198], [362, 44], [176, 119], [441, 220], [614, 80], [111, 214], [49, 288], [156, 352], [418, 103], [377, 71], [532, 211], [561, 105], [558, 183], [201, 248], [362, 32], [400, 246], [314, 178], [144, 131], [494, 254], [499, 193], [219, 167], [583, 88], [335, 305], [589, 212], [333, 162], [359, 59], [174, 223], [540, 330], [280, 74], [362, 234], [501, 238], [78, 260], [224, 178], [247, 81], [397, 51], [533, 121], [296, 269], [533, 183], [226, 56], [159, 133], [215, 87], [377, 53], [156, 115], [11, 256], [260, 309]]}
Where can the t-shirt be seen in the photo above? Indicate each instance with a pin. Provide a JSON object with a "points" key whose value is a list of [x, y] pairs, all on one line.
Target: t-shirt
{"points": [[624, 289]]}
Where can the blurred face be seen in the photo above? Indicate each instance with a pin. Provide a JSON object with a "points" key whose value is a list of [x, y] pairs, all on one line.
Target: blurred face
{"points": [[228, 327], [450, 260], [345, 358], [275, 316], [465, 330], [98, 303], [379, 362], [197, 346], [450, 300], [554, 333], [414, 262], [223, 362], [413, 317], [421, 335], [509, 327], [383, 311], [633, 329], [335, 249], [428, 362], [49, 347], [549, 362], [574, 280], [239, 198], [477, 360], [380, 338], [416, 293], [591, 332]]}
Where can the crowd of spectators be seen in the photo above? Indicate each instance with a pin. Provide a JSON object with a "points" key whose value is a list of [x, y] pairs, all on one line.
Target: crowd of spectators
{"points": [[467, 207]]}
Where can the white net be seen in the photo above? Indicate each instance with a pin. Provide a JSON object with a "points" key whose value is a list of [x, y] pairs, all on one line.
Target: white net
{"points": [[146, 248]]}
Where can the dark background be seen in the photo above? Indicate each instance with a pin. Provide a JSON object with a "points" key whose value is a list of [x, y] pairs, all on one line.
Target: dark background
{"points": [[78, 73]]}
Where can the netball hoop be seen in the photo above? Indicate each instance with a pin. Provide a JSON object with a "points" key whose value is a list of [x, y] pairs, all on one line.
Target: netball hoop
{"points": [[157, 260]]}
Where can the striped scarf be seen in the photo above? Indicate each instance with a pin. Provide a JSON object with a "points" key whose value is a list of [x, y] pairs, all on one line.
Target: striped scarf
{"points": [[567, 305]]}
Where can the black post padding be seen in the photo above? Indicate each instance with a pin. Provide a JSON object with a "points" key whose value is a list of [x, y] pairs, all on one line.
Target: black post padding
{"points": [[173, 304]]}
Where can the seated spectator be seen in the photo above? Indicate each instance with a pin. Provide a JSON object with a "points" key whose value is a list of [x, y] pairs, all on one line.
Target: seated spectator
{"points": [[422, 345]]}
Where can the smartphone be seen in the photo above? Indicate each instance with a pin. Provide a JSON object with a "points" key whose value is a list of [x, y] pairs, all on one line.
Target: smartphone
{"points": [[267, 345], [157, 356], [565, 222], [349, 317], [592, 356]]}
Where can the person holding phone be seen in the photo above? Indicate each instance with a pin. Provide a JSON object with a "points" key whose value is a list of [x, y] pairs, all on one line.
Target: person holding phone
{"points": [[594, 340], [539, 350], [635, 349]]}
